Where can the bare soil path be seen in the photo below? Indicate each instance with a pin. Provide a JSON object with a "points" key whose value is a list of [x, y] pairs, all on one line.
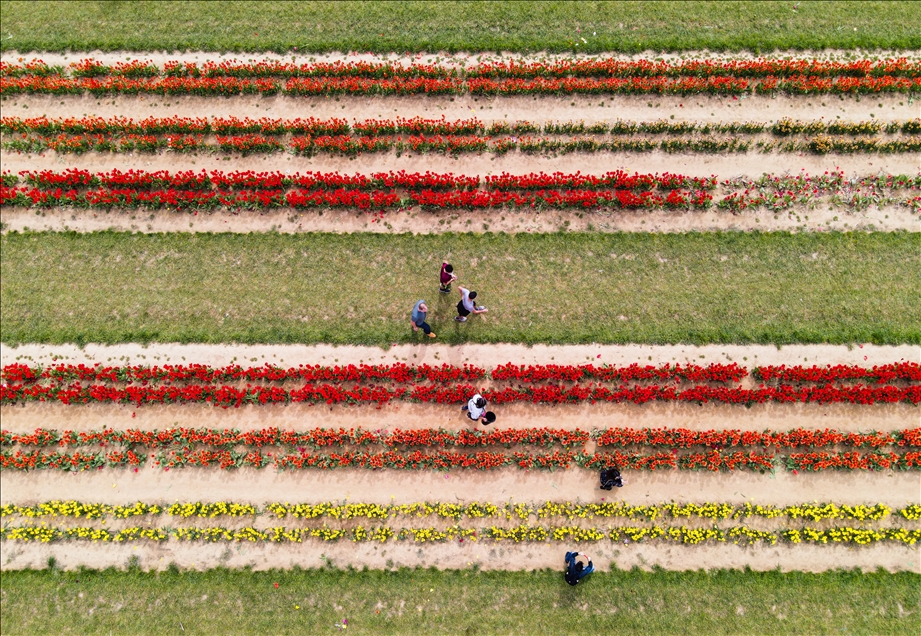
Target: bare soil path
{"points": [[245, 485], [590, 108], [485, 555], [724, 166], [846, 417], [801, 219], [462, 59], [486, 356]]}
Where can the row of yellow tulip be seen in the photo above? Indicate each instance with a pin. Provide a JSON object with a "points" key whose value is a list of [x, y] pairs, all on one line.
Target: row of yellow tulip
{"points": [[739, 535], [616, 509]]}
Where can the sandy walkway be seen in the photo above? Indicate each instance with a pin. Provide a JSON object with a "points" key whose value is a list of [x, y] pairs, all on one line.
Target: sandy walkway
{"points": [[117, 486], [453, 59], [486, 356], [887, 219], [701, 165], [591, 108], [485, 555], [845, 417]]}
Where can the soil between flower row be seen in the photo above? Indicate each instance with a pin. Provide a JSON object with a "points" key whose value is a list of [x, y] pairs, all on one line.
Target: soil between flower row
{"points": [[751, 165], [539, 110], [118, 487], [893, 558], [460, 58], [845, 417], [866, 355], [800, 218]]}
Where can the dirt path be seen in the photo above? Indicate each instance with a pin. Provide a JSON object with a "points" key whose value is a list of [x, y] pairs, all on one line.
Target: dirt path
{"points": [[591, 108], [246, 485], [485, 555], [486, 356], [888, 219], [699, 165], [453, 59], [402, 415]]}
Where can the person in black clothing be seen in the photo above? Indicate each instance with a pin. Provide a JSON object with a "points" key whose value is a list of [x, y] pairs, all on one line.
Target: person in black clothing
{"points": [[610, 478], [578, 566]]}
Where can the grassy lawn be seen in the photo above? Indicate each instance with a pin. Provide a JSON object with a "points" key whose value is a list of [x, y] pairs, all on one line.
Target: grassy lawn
{"points": [[458, 602], [452, 26], [554, 288]]}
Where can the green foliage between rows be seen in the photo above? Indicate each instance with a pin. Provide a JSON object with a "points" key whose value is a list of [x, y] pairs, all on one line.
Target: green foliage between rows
{"points": [[406, 601], [382, 27], [720, 287]]}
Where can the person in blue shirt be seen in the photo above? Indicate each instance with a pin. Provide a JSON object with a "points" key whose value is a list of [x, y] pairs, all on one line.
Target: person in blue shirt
{"points": [[420, 311], [578, 566]]}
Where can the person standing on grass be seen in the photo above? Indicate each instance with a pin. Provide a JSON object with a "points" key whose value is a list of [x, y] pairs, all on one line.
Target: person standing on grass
{"points": [[447, 277], [420, 311], [578, 566], [466, 306]]}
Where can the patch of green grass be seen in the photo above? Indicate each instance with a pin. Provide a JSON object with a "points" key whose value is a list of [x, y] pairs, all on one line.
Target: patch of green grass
{"points": [[382, 27], [715, 287], [458, 602]]}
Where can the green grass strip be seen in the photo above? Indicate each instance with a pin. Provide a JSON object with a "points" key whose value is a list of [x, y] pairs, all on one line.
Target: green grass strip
{"points": [[458, 602], [730, 287], [382, 27]]}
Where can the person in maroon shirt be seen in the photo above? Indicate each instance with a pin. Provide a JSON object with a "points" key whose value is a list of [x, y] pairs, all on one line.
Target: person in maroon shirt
{"points": [[447, 277]]}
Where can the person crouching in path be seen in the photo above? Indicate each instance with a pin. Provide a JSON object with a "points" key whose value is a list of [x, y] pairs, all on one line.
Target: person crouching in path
{"points": [[476, 410], [447, 277], [466, 306], [611, 478], [578, 566], [420, 310]]}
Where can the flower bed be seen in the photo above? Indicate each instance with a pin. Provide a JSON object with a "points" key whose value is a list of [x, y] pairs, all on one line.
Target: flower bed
{"points": [[311, 136], [339, 522], [910, 371], [401, 373], [182, 447], [168, 374], [80, 384], [381, 191], [739, 535], [314, 127], [233, 397], [267, 77], [713, 511], [319, 438], [762, 67]]}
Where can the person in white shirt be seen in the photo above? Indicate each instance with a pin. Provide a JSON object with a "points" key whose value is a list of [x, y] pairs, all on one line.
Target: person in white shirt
{"points": [[476, 410], [466, 306]]}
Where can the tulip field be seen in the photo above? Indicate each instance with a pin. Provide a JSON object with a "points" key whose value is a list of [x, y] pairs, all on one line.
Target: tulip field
{"points": [[700, 267]]}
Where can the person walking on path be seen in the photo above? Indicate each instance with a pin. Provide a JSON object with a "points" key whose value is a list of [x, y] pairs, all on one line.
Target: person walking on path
{"points": [[466, 306], [475, 407], [476, 410], [420, 310], [578, 566], [447, 277], [611, 478]]}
